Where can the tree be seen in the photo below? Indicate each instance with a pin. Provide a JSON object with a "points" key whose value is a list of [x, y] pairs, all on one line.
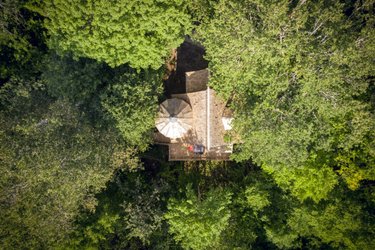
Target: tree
{"points": [[129, 214], [93, 235], [75, 80], [299, 76], [198, 224], [244, 230], [139, 33], [132, 102], [306, 182], [53, 161], [21, 39], [342, 220], [142, 207], [260, 204], [339, 223]]}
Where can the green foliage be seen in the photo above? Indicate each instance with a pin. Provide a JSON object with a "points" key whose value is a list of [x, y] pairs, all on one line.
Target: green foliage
{"points": [[341, 224], [256, 198], [74, 80], [129, 215], [263, 208], [97, 232], [241, 233], [350, 169], [52, 162], [132, 102], [21, 39], [140, 33], [244, 229], [196, 223], [337, 222], [92, 233], [201, 10], [142, 210], [331, 224], [314, 182], [10, 21], [298, 75], [283, 238]]}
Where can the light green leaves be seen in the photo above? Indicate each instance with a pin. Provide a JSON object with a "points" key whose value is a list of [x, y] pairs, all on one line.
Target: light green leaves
{"points": [[139, 33], [292, 74], [132, 103], [198, 224], [256, 198], [314, 182]]}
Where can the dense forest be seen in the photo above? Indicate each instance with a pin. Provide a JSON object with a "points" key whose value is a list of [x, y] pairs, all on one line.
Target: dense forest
{"points": [[80, 84]]}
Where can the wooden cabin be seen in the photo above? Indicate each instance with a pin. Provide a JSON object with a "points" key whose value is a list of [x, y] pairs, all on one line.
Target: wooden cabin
{"points": [[203, 124]]}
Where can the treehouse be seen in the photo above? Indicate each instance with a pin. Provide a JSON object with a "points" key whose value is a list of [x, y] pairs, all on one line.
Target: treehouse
{"points": [[193, 123]]}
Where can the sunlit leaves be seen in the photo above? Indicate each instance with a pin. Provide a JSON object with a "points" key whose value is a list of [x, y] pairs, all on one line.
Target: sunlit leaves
{"points": [[139, 33], [196, 223], [298, 75], [132, 102]]}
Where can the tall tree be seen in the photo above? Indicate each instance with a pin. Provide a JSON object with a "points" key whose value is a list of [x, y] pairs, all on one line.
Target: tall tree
{"points": [[53, 161], [273, 218], [140, 33], [342, 222], [299, 76], [132, 102], [21, 39], [129, 214], [75, 80], [196, 223]]}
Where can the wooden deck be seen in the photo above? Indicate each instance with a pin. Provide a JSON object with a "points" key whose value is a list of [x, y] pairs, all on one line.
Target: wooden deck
{"points": [[207, 130], [216, 131], [179, 152]]}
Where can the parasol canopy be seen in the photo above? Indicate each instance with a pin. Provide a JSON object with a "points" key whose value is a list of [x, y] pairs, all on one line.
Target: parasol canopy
{"points": [[175, 118]]}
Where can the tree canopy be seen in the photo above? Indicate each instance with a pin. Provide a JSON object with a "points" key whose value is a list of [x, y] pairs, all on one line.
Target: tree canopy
{"points": [[299, 100], [132, 102], [80, 83], [140, 33], [196, 223], [53, 162]]}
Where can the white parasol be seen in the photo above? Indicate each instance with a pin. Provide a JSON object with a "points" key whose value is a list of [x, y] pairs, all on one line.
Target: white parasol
{"points": [[175, 118]]}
